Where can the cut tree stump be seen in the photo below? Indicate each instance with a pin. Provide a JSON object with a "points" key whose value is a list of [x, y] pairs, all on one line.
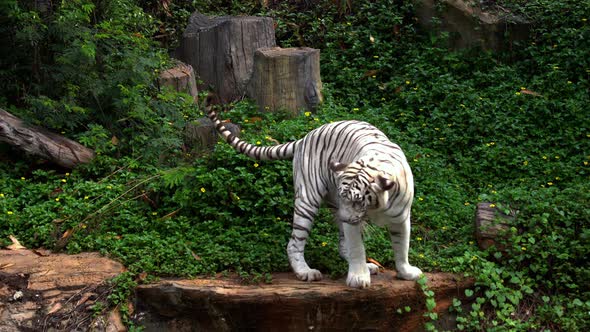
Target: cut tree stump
{"points": [[41, 142], [221, 50], [491, 224], [472, 24], [43, 291], [201, 136], [288, 304], [286, 78], [181, 78]]}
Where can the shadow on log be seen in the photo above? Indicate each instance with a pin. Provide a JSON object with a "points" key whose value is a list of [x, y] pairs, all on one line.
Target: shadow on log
{"points": [[42, 143]]}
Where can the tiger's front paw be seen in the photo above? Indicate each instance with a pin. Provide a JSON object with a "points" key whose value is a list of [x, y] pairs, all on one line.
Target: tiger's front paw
{"points": [[309, 275], [359, 279], [409, 273]]}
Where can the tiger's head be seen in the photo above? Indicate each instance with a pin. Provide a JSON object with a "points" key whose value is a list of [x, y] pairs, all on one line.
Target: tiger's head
{"points": [[360, 188]]}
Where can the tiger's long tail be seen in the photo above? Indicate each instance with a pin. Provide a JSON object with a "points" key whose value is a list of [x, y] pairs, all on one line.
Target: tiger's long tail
{"points": [[276, 152]]}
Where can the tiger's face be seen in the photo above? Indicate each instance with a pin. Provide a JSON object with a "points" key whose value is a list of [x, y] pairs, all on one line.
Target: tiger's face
{"points": [[360, 188]]}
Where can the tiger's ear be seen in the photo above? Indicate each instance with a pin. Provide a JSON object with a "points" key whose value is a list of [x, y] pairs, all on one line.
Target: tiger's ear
{"points": [[337, 167], [384, 183]]}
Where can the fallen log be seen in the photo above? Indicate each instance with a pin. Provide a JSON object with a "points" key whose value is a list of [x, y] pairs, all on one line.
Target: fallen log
{"points": [[42, 142]]}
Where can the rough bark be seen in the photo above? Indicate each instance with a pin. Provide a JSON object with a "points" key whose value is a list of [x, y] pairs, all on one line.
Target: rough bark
{"points": [[286, 79], [181, 78], [41, 142], [221, 50], [288, 304], [491, 224]]}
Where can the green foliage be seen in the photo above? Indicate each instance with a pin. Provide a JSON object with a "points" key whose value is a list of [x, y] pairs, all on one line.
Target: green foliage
{"points": [[509, 127]]}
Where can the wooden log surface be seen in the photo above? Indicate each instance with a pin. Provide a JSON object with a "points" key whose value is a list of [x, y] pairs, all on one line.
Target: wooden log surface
{"points": [[221, 50], [286, 78], [288, 304], [41, 142]]}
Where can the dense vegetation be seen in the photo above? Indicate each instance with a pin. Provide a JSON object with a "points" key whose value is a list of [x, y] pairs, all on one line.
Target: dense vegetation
{"points": [[509, 127]]}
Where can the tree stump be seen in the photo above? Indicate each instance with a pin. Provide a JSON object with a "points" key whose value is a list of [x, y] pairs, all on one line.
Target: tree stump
{"points": [[201, 136], [181, 78], [491, 224], [221, 50], [41, 142], [286, 78]]}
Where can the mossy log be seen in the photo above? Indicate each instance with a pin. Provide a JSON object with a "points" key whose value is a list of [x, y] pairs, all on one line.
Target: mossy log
{"points": [[42, 142], [221, 50], [286, 78]]}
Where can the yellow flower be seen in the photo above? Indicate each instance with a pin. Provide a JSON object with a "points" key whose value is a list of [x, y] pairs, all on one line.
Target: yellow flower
{"points": [[307, 113], [419, 238], [492, 205], [376, 56], [421, 255], [64, 180], [545, 157], [203, 190], [154, 213], [109, 187], [444, 228], [408, 82], [256, 165], [86, 197], [466, 203], [2, 195], [526, 162], [549, 183], [355, 109], [246, 120], [517, 93], [420, 198], [8, 212], [523, 248], [324, 244], [258, 142], [22, 178], [67, 174], [57, 199]]}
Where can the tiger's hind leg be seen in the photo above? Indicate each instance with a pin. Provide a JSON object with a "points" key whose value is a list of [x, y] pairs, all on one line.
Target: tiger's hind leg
{"points": [[302, 223]]}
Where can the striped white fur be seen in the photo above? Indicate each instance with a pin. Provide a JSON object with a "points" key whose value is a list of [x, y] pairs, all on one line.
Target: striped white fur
{"points": [[354, 168]]}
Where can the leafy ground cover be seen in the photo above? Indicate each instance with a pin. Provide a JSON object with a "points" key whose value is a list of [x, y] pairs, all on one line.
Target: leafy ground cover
{"points": [[511, 127]]}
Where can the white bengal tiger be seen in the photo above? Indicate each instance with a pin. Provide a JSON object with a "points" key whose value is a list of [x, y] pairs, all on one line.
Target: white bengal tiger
{"points": [[360, 174]]}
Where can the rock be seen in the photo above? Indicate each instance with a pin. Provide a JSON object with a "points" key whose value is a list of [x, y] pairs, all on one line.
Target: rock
{"points": [[470, 24], [41, 292], [288, 304]]}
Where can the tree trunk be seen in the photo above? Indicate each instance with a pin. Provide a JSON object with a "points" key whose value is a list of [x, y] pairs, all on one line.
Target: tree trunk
{"points": [[41, 142], [181, 78], [286, 79], [221, 50]]}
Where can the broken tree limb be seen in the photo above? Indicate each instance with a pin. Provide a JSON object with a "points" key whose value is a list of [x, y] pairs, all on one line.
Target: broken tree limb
{"points": [[42, 142]]}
